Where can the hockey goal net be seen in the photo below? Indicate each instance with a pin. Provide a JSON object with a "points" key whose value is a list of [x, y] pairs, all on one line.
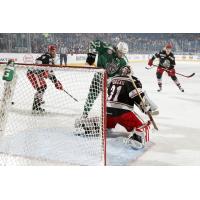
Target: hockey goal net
{"points": [[58, 135]]}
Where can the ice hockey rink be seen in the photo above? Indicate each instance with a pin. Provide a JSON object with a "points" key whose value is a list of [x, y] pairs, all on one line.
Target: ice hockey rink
{"points": [[176, 142]]}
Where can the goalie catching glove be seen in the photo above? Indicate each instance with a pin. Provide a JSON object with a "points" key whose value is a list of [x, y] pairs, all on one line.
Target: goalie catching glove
{"points": [[136, 140], [148, 105]]}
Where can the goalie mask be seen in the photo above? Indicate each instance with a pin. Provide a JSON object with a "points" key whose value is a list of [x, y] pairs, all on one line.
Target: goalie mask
{"points": [[125, 71]]}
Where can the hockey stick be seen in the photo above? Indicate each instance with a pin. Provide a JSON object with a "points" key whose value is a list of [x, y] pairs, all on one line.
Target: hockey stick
{"points": [[44, 65], [154, 66], [148, 113], [70, 95], [186, 76]]}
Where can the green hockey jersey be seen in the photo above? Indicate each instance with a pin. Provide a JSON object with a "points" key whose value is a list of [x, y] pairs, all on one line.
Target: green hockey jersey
{"points": [[107, 57]]}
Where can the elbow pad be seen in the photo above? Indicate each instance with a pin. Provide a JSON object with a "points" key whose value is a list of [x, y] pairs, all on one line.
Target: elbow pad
{"points": [[90, 58]]}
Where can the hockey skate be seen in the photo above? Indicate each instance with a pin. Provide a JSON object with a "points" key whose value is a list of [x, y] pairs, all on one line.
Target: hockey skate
{"points": [[160, 89], [36, 109], [181, 89], [136, 140]]}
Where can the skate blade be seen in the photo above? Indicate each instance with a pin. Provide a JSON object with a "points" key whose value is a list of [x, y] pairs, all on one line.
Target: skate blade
{"points": [[36, 112], [133, 144]]}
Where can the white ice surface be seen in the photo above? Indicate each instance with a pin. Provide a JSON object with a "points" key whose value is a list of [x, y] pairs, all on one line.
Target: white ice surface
{"points": [[178, 140], [176, 143], [51, 138]]}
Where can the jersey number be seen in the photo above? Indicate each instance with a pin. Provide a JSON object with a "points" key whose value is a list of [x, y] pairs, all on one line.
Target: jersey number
{"points": [[115, 90]]}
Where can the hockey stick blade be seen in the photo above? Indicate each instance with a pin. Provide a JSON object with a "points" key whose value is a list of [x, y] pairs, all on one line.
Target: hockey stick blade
{"points": [[150, 67], [191, 75], [152, 121]]}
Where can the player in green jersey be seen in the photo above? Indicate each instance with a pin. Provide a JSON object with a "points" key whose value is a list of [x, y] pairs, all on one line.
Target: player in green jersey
{"points": [[111, 58]]}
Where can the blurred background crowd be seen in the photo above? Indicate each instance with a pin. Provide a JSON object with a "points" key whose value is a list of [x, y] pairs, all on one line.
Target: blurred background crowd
{"points": [[139, 43]]}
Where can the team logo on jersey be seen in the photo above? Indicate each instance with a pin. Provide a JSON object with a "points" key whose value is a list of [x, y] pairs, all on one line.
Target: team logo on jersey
{"points": [[112, 68], [166, 63]]}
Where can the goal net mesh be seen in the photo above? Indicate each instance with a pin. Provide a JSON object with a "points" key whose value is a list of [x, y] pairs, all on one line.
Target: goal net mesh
{"points": [[57, 133]]}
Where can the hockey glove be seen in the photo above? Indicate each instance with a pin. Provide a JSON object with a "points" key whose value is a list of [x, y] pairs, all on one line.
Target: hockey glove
{"points": [[171, 72], [58, 85], [171, 67], [90, 58], [147, 108], [150, 63]]}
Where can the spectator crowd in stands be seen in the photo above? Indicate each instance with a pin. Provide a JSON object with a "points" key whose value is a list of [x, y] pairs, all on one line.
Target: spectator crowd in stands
{"points": [[140, 43]]}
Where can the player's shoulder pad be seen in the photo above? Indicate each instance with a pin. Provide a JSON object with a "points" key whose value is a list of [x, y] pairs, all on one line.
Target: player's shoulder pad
{"points": [[47, 54], [171, 54], [162, 52], [137, 81], [41, 57], [135, 78]]}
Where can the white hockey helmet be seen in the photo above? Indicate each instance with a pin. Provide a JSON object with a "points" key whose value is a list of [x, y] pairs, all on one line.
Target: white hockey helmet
{"points": [[122, 47]]}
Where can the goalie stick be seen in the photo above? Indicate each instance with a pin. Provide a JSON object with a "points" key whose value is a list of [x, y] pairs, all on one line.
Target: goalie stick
{"points": [[148, 113], [186, 76]]}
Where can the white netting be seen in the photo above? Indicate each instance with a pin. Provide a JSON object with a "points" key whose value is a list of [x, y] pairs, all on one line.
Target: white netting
{"points": [[29, 135]]}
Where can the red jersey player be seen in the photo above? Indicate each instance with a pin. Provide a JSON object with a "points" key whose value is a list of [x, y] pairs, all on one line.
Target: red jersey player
{"points": [[37, 78], [166, 63]]}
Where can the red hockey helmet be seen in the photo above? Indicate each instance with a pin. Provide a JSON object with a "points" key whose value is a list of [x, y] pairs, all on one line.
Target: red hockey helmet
{"points": [[168, 46], [51, 47]]}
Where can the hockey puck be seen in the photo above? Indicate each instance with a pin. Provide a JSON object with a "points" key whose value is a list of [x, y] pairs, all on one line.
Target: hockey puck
{"points": [[12, 103]]}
